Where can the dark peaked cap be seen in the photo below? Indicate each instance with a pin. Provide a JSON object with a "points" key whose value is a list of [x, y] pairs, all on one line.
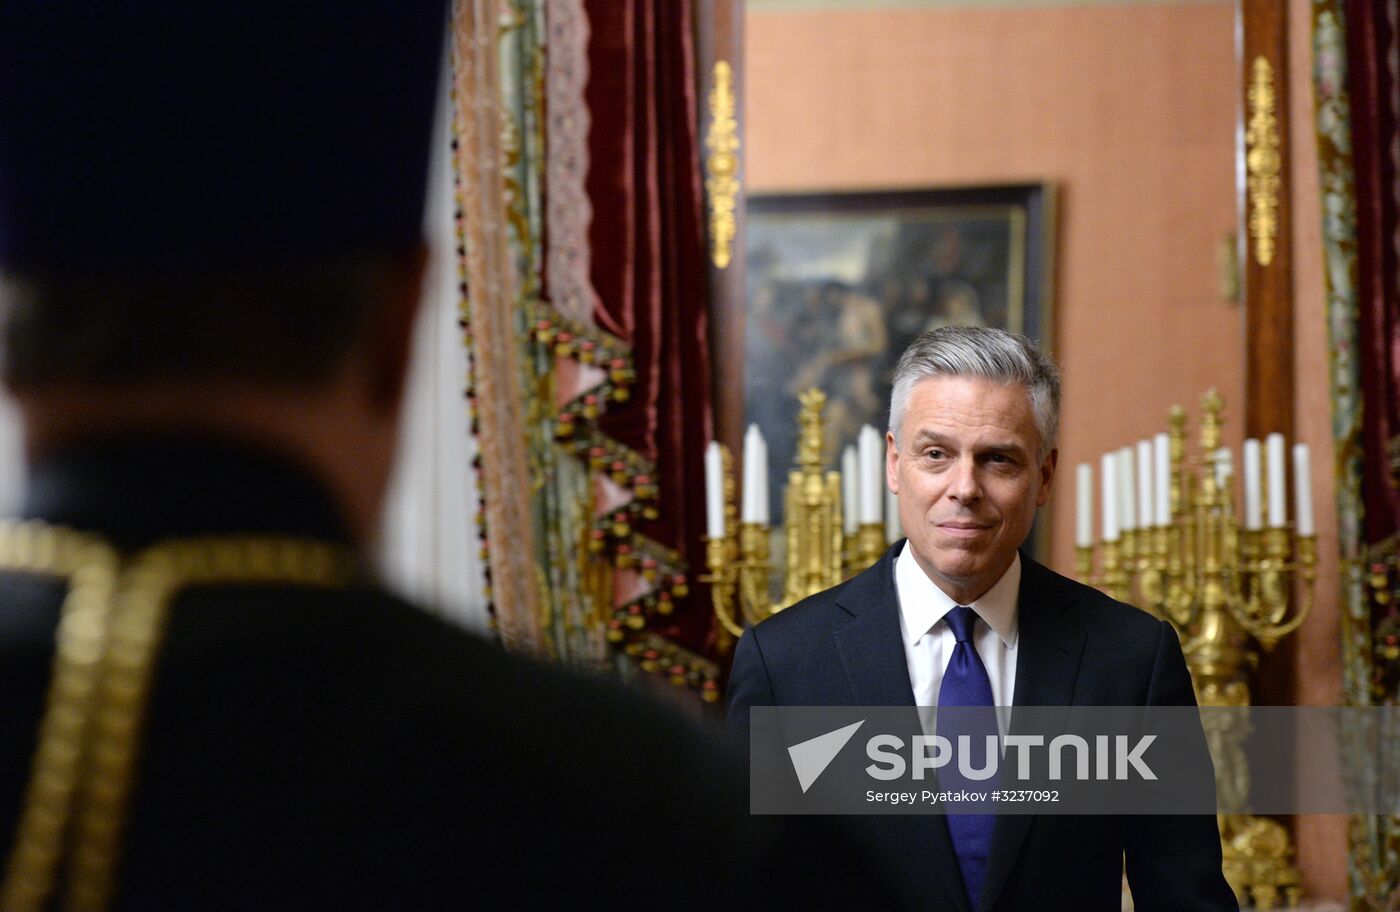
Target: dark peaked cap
{"points": [[187, 136]]}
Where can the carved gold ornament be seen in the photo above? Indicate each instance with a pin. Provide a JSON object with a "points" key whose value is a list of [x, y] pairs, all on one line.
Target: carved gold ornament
{"points": [[722, 165], [1263, 161]]}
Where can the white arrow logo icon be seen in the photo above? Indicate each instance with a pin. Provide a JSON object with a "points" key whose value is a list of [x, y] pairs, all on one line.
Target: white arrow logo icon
{"points": [[811, 758]]}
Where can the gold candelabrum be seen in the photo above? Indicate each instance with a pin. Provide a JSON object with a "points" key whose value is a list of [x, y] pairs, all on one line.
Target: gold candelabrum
{"points": [[818, 553], [1229, 591]]}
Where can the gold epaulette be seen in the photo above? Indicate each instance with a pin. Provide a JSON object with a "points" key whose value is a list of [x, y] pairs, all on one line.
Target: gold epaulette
{"points": [[109, 635]]}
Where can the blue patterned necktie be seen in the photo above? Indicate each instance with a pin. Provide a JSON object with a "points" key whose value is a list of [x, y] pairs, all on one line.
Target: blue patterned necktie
{"points": [[965, 684]]}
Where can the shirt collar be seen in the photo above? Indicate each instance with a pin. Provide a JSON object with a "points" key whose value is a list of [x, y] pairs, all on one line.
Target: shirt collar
{"points": [[922, 604]]}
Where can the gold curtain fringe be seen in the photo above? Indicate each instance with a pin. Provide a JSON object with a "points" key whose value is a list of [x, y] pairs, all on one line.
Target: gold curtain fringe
{"points": [[613, 536], [656, 655], [1380, 566], [588, 345]]}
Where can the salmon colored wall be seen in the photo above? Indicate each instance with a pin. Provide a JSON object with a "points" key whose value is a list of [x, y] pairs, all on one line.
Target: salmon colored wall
{"points": [[1130, 111]]}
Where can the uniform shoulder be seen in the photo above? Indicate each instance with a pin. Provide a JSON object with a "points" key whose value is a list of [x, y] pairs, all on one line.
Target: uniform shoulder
{"points": [[448, 747], [411, 675], [460, 667], [528, 688]]}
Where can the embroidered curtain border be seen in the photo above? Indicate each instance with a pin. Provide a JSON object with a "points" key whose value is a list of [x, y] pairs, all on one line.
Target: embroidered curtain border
{"points": [[1371, 860], [489, 314], [569, 571]]}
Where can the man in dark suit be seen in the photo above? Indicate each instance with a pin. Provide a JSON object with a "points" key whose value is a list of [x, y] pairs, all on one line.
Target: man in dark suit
{"points": [[955, 616], [210, 247]]}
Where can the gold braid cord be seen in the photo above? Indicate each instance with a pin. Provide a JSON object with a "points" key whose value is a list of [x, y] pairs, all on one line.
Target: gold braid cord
{"points": [[90, 567], [109, 638]]}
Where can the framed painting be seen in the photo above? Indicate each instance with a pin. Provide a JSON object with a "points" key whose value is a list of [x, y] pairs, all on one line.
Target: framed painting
{"points": [[838, 284]]}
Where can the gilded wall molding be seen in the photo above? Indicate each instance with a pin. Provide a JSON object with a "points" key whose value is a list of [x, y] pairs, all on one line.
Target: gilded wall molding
{"points": [[1263, 161], [722, 165]]}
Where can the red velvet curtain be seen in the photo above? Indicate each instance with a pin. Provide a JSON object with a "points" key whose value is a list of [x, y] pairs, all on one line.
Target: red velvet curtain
{"points": [[648, 254], [1375, 99]]}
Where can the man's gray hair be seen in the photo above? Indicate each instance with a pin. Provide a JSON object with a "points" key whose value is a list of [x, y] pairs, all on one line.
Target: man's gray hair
{"points": [[976, 351]]}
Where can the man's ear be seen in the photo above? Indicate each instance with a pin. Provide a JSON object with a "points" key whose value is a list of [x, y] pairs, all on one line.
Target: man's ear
{"points": [[390, 341], [891, 462], [1047, 476]]}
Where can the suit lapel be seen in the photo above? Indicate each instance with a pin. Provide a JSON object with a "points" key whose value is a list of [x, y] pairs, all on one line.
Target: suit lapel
{"points": [[871, 646], [1051, 639], [870, 642], [1050, 644]]}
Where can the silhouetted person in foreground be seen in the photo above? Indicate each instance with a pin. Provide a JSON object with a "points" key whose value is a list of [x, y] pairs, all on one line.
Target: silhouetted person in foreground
{"points": [[211, 252]]}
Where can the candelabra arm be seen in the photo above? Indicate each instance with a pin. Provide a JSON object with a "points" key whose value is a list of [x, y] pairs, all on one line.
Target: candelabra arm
{"points": [[1152, 579], [722, 555], [1273, 580], [1181, 601], [1274, 589], [754, 570], [721, 580], [1307, 572], [1268, 635], [723, 613]]}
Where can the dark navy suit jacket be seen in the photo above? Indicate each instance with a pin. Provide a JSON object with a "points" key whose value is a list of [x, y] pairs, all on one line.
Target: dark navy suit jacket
{"points": [[1076, 647]]}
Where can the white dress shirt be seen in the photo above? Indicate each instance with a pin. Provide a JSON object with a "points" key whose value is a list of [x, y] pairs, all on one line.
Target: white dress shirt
{"points": [[929, 641]]}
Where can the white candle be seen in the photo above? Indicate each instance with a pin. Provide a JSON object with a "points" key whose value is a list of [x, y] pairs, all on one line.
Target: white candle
{"points": [[1162, 478], [1252, 469], [1084, 514], [748, 483], [894, 529], [1144, 466], [1224, 467], [761, 498], [1278, 515], [714, 491], [872, 474], [850, 490], [1110, 497], [1127, 506], [754, 469], [1302, 488]]}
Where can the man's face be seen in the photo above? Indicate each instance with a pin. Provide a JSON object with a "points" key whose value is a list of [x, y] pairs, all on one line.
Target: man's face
{"points": [[968, 482]]}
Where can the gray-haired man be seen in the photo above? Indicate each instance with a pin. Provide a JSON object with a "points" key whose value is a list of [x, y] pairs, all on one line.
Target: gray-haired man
{"points": [[956, 610]]}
